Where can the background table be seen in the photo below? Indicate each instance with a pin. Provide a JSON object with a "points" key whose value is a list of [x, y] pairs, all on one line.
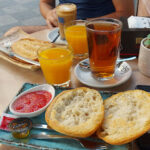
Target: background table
{"points": [[13, 77]]}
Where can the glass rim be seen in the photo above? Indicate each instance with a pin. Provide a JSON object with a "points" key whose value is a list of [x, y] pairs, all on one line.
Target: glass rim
{"points": [[75, 21], [68, 4], [26, 128], [52, 48], [70, 23], [111, 20]]}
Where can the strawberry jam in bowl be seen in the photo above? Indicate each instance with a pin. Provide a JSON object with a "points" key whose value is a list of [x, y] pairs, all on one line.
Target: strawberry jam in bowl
{"points": [[32, 102]]}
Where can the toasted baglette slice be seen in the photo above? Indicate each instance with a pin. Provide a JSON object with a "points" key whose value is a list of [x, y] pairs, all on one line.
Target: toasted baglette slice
{"points": [[28, 47], [127, 116], [77, 112]]}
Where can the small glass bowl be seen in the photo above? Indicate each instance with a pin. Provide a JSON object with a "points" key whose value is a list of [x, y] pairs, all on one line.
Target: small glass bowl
{"points": [[20, 127]]}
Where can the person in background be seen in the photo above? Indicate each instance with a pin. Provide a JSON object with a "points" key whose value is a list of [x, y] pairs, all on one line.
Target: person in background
{"points": [[86, 9], [144, 8]]}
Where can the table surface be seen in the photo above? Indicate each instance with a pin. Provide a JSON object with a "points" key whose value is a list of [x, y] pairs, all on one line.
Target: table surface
{"points": [[13, 77]]}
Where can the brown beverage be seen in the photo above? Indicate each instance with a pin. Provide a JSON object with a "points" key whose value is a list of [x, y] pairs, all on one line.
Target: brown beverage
{"points": [[66, 13], [103, 41]]}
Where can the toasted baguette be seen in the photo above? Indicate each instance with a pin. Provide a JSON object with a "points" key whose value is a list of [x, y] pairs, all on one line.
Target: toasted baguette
{"points": [[28, 47], [127, 116], [77, 113]]}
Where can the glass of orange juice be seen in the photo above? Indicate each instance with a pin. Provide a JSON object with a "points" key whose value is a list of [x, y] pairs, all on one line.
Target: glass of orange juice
{"points": [[56, 65], [75, 34]]}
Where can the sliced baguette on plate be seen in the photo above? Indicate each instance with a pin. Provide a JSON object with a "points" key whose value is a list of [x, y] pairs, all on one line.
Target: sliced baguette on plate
{"points": [[28, 47], [127, 117], [77, 112]]}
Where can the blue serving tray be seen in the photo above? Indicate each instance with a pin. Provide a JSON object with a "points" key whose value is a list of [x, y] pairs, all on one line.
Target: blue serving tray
{"points": [[61, 144]]}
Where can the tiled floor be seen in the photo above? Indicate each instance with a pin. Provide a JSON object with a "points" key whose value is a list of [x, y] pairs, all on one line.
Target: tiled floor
{"points": [[19, 12]]}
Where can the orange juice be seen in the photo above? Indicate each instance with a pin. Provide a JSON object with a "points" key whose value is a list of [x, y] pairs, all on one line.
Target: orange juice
{"points": [[56, 65], [77, 38]]}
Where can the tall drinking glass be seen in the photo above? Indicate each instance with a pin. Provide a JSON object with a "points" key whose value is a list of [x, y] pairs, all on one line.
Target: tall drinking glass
{"points": [[66, 12], [76, 37], [103, 40], [56, 65]]}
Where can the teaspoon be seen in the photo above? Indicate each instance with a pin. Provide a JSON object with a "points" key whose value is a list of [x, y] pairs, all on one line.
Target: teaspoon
{"points": [[86, 66], [21, 127], [83, 142]]}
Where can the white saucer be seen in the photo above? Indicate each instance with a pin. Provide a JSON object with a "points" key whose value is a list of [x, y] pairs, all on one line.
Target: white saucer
{"points": [[53, 34], [122, 74]]}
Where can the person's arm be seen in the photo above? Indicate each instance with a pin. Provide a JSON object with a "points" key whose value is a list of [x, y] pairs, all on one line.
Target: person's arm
{"points": [[27, 29], [48, 12], [124, 8]]}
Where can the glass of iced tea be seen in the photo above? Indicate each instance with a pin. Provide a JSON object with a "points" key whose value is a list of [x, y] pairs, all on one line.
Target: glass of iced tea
{"points": [[76, 37], [103, 40], [56, 65]]}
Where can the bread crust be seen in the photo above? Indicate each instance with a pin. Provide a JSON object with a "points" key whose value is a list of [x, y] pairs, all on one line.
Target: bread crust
{"points": [[83, 128], [28, 47], [127, 117]]}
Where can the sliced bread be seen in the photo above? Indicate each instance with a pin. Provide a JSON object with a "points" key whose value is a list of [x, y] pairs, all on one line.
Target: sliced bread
{"points": [[28, 47], [127, 116], [77, 112]]}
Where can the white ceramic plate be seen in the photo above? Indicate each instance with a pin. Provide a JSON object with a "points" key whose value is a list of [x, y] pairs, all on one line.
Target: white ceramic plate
{"points": [[53, 34], [45, 87], [122, 74]]}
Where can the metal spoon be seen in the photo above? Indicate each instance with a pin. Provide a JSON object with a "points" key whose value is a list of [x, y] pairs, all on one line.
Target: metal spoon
{"points": [[40, 126], [83, 142], [86, 66]]}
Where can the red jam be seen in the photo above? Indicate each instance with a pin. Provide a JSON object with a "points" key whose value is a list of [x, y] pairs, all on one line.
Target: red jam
{"points": [[32, 101]]}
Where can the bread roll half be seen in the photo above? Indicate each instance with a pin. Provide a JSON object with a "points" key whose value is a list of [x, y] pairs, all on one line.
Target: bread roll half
{"points": [[77, 112], [127, 116], [28, 47]]}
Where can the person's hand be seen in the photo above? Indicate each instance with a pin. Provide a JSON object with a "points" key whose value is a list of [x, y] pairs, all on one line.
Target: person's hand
{"points": [[51, 18]]}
